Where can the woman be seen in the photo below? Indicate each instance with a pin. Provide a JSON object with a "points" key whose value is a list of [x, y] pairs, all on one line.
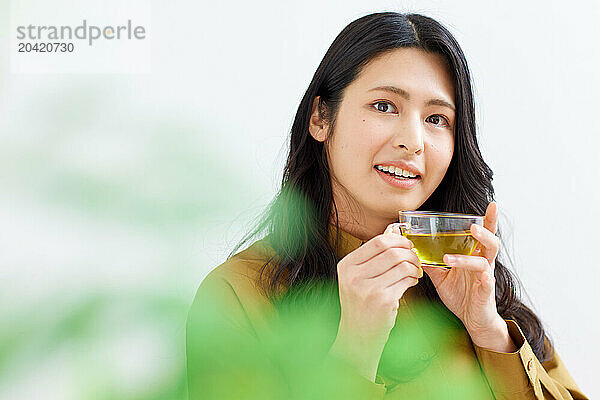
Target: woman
{"points": [[392, 96]]}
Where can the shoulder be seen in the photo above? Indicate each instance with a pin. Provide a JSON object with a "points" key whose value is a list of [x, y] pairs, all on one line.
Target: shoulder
{"points": [[232, 288], [241, 271]]}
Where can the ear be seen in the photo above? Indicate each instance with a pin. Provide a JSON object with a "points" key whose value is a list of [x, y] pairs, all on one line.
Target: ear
{"points": [[317, 127]]}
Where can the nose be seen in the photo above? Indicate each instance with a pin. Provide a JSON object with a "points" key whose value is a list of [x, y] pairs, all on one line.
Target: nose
{"points": [[410, 137]]}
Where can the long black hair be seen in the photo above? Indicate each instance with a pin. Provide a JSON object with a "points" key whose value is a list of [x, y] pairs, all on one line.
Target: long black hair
{"points": [[297, 220]]}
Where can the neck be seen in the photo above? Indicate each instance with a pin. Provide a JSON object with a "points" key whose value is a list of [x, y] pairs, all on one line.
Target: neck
{"points": [[356, 221]]}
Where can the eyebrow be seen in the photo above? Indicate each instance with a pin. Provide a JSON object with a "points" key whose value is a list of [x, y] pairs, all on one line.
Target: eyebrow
{"points": [[403, 93]]}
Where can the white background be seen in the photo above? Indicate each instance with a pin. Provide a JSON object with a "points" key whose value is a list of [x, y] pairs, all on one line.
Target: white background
{"points": [[97, 168]]}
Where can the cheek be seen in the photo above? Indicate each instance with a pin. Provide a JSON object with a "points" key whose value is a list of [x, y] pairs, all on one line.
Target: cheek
{"points": [[359, 137], [440, 155]]}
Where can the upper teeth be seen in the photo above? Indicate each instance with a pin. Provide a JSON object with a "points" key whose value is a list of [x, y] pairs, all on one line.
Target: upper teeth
{"points": [[396, 170]]}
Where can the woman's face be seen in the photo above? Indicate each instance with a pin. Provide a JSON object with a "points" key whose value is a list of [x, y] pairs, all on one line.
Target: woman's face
{"points": [[413, 123]]}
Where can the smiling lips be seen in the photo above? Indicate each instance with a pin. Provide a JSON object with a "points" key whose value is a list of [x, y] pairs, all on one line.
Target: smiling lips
{"points": [[399, 167], [397, 171], [398, 181]]}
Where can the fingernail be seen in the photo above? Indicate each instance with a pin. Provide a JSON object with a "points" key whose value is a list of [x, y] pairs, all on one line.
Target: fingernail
{"points": [[450, 258]]}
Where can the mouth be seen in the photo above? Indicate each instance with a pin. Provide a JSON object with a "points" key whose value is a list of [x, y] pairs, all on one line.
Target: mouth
{"points": [[397, 173]]}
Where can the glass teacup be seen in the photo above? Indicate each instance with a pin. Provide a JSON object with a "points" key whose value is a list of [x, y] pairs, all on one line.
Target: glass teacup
{"points": [[437, 233]]}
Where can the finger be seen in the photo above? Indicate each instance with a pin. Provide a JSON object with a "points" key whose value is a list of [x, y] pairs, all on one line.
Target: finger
{"points": [[469, 263], [489, 244], [398, 288], [386, 260], [490, 221], [377, 245], [389, 228], [485, 237], [397, 273]]}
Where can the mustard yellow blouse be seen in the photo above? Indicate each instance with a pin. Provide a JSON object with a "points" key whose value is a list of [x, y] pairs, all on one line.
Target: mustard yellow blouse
{"points": [[229, 313]]}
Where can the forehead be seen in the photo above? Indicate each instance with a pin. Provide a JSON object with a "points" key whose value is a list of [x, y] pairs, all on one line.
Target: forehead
{"points": [[422, 74]]}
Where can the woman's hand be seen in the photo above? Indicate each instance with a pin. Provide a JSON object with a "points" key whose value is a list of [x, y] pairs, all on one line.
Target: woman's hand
{"points": [[371, 280], [468, 288]]}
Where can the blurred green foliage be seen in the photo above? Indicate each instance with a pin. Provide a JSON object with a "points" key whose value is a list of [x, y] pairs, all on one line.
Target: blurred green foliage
{"points": [[84, 173]]}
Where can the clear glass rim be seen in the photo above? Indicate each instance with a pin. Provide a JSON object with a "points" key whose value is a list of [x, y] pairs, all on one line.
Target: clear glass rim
{"points": [[439, 214]]}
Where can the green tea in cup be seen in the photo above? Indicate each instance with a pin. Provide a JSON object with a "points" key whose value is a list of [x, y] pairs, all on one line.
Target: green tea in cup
{"points": [[437, 233]]}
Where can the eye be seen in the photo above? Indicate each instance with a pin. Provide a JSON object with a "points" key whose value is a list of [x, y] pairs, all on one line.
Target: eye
{"points": [[438, 117], [383, 108]]}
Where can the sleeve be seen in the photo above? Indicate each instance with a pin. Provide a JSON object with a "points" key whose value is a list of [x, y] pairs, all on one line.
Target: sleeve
{"points": [[520, 375], [227, 360]]}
